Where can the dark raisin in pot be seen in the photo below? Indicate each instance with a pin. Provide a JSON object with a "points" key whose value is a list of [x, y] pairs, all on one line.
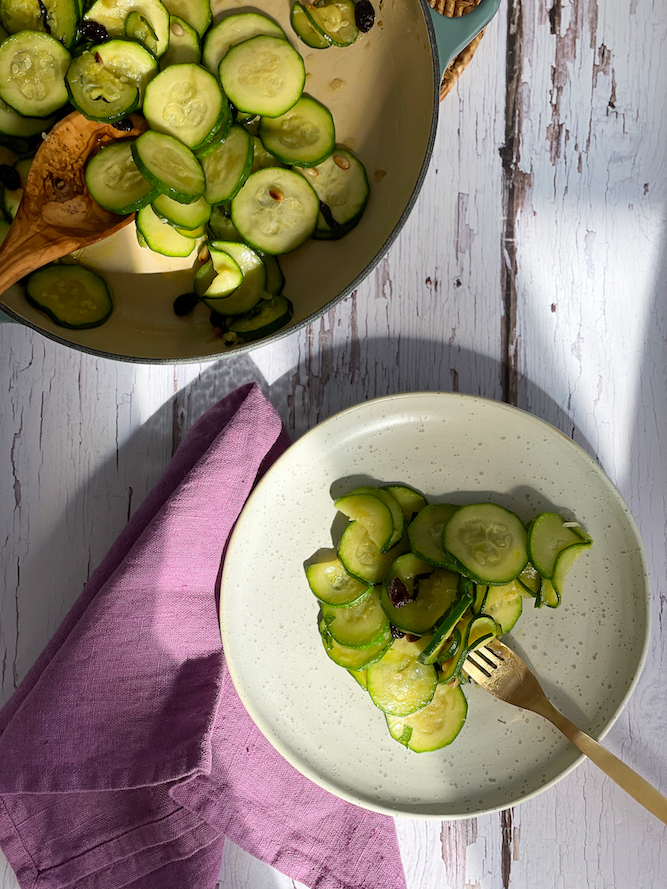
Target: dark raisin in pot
{"points": [[185, 303], [364, 15]]}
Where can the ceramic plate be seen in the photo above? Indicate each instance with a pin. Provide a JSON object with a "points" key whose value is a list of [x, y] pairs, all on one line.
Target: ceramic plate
{"points": [[589, 652]]}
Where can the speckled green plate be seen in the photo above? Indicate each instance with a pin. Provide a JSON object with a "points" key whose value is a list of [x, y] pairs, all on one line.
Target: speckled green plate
{"points": [[589, 652]]}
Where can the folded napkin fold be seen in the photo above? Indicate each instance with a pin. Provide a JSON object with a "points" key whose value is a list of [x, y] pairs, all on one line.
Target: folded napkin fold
{"points": [[126, 756]]}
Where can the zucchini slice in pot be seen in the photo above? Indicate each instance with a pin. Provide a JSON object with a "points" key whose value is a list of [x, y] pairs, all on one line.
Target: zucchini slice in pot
{"points": [[160, 236], [352, 658], [268, 316], [302, 137], [196, 13], [11, 197], [113, 16], [275, 280], [262, 158], [169, 166], [342, 186], [137, 27], [335, 19], [219, 277], [113, 180], [185, 101], [275, 210], [227, 166], [188, 216], [221, 228], [263, 75], [425, 533], [97, 92], [232, 30], [184, 47], [13, 124], [59, 18], [305, 29], [252, 287], [32, 73], [361, 624], [71, 295], [331, 584], [488, 541], [434, 726]]}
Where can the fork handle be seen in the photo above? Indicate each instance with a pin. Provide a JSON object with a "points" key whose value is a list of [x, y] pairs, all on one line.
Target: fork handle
{"points": [[639, 789]]}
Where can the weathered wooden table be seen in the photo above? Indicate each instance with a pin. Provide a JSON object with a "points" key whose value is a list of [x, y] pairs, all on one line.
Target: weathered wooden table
{"points": [[532, 270]]}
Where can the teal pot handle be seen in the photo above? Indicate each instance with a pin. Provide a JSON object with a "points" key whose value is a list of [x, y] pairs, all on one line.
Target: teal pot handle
{"points": [[454, 34], [5, 318]]}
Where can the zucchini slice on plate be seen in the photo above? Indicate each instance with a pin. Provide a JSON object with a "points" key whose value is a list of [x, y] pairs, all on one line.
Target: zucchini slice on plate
{"points": [[302, 137], [488, 541], [275, 210], [71, 295], [113, 180], [415, 595], [32, 73], [399, 683], [548, 535], [435, 725], [367, 509], [352, 658], [361, 624], [169, 166], [263, 75], [232, 30], [425, 533], [331, 583], [267, 316], [362, 558]]}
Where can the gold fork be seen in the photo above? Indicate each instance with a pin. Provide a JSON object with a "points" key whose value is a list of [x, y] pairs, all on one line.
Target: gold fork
{"points": [[502, 673]]}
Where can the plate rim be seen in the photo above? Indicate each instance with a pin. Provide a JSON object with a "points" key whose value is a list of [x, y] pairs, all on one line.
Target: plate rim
{"points": [[397, 811]]}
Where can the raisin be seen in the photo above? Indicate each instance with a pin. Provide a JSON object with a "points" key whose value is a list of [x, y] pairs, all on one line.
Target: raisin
{"points": [[185, 303], [93, 31], [124, 125], [218, 320], [9, 177], [398, 593], [364, 15], [396, 633]]}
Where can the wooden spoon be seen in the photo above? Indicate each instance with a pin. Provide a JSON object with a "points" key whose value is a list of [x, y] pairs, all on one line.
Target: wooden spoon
{"points": [[57, 214]]}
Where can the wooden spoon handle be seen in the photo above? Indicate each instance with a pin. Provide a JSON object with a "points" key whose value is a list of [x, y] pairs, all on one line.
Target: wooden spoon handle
{"points": [[639, 789]]}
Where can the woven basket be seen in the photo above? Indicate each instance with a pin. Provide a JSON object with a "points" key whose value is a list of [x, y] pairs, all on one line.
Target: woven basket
{"points": [[455, 8]]}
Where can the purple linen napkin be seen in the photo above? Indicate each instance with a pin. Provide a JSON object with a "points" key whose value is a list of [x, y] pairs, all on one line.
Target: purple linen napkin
{"points": [[126, 756]]}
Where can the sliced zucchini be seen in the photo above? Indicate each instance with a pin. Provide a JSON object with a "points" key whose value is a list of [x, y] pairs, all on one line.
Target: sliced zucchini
{"points": [[305, 29], [232, 30], [548, 595], [187, 216], [410, 500], [227, 166], [361, 624], [352, 658], [221, 228], [128, 60], [184, 47], [196, 12], [335, 19], [444, 630], [564, 561], [362, 558], [425, 533], [372, 513], [160, 236], [263, 75], [97, 91], [303, 137], [113, 180], [529, 581], [112, 14], [185, 101], [137, 27], [428, 594], [549, 535], [481, 629], [169, 166], [504, 604], [59, 18], [275, 210], [72, 296], [268, 316], [219, 277], [394, 507], [11, 197], [360, 677], [251, 289], [262, 158], [434, 726], [399, 684], [341, 184], [488, 541], [13, 124], [275, 280], [331, 583], [32, 73]]}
